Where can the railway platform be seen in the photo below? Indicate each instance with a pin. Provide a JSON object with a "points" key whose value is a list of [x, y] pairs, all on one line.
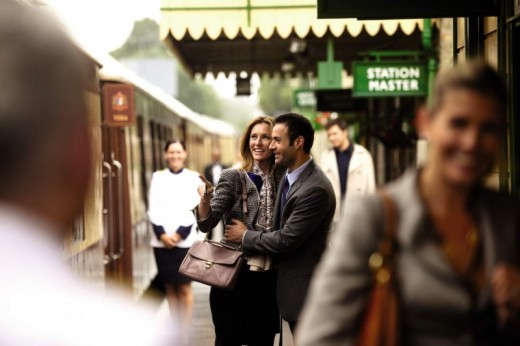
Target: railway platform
{"points": [[201, 330]]}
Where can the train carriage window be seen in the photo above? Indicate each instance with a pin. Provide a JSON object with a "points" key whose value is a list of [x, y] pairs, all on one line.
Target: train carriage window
{"points": [[514, 98], [130, 140], [142, 168], [153, 137], [78, 229], [158, 146]]}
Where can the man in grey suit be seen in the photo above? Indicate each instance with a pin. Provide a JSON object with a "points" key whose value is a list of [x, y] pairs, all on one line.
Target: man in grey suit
{"points": [[303, 214]]}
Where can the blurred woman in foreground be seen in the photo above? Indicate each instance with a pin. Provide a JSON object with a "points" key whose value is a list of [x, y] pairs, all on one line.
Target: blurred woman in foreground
{"points": [[457, 253]]}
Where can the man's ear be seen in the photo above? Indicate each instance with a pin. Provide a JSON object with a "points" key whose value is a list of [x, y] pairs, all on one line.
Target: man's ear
{"points": [[299, 142]]}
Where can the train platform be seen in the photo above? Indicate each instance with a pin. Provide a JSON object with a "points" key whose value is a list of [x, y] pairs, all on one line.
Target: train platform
{"points": [[201, 330]]}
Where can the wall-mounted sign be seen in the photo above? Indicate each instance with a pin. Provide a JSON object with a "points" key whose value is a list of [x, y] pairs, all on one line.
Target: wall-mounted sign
{"points": [[329, 74], [399, 9], [243, 86], [389, 79], [338, 100], [118, 104], [304, 98]]}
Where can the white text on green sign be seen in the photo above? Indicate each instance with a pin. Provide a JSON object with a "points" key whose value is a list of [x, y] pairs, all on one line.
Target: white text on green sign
{"points": [[385, 79]]}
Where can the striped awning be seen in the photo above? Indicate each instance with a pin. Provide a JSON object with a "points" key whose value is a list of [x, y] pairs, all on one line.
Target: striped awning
{"points": [[185, 23], [249, 17]]}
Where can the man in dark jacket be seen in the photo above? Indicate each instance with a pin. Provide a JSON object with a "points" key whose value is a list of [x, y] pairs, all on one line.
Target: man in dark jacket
{"points": [[303, 215]]}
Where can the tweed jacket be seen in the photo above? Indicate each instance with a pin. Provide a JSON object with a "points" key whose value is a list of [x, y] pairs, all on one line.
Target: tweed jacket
{"points": [[226, 203], [435, 304], [299, 237]]}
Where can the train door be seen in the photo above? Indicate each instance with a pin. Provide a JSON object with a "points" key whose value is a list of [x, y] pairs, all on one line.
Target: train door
{"points": [[117, 237]]}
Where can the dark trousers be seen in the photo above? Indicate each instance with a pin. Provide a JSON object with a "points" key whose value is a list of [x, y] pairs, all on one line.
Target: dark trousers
{"points": [[247, 315]]}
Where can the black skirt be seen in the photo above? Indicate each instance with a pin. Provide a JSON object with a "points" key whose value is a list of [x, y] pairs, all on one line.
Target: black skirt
{"points": [[248, 314], [168, 263]]}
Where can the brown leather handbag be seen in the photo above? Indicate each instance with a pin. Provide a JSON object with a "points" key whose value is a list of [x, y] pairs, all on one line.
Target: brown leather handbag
{"points": [[213, 263], [381, 325]]}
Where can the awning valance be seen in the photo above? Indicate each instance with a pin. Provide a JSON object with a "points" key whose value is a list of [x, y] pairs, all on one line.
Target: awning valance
{"points": [[256, 35], [249, 17]]}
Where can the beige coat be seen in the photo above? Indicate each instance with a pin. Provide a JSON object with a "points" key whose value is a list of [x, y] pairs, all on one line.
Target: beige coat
{"points": [[361, 179], [436, 307]]}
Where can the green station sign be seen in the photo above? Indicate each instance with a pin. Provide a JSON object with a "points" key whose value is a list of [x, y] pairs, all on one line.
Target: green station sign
{"points": [[376, 79], [304, 98]]}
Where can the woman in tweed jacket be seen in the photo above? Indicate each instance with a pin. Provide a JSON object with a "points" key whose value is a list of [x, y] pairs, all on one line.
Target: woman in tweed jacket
{"points": [[248, 314]]}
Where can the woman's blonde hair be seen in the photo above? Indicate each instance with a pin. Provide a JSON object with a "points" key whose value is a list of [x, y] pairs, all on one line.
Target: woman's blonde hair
{"points": [[245, 151], [474, 75]]}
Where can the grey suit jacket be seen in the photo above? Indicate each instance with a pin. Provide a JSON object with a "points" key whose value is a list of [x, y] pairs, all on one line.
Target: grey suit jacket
{"points": [[436, 307], [300, 238]]}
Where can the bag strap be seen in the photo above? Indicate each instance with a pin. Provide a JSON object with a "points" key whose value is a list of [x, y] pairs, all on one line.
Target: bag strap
{"points": [[381, 262], [244, 192], [387, 244], [243, 195]]}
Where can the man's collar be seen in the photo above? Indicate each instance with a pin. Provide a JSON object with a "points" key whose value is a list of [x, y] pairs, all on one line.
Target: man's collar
{"points": [[293, 176]]}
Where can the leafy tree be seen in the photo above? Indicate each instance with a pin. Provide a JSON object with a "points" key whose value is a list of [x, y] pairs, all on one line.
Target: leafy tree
{"points": [[199, 96], [275, 95], [144, 42], [239, 111]]}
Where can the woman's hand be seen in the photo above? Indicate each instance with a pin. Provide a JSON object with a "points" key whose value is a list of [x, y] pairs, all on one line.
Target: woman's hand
{"points": [[206, 190], [506, 291], [170, 241]]}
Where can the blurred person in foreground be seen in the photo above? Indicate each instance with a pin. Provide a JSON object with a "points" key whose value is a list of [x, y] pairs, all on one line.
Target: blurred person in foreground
{"points": [[302, 218], [44, 174], [457, 242], [348, 166], [246, 315]]}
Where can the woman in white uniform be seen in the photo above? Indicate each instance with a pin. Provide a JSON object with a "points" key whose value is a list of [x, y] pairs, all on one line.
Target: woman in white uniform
{"points": [[173, 194]]}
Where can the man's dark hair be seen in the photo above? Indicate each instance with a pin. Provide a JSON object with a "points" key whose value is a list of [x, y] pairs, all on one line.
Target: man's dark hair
{"points": [[342, 124], [297, 125]]}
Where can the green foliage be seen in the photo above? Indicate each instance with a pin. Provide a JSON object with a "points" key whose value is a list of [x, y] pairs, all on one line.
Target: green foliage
{"points": [[199, 96], [275, 95], [143, 42], [239, 111]]}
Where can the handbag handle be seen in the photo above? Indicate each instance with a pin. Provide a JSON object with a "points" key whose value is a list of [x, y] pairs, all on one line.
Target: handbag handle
{"points": [[244, 192]]}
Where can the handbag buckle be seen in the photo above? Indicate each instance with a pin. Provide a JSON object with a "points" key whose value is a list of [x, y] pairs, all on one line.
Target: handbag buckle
{"points": [[208, 264]]}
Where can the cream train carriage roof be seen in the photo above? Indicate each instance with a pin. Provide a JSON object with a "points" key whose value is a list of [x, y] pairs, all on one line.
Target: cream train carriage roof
{"points": [[113, 70]]}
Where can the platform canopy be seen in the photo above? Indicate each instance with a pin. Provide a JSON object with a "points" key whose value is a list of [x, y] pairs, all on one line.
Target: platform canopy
{"points": [[261, 35]]}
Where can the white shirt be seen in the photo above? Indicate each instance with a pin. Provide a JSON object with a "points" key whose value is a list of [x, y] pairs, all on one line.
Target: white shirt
{"points": [[172, 199], [42, 303], [294, 175], [216, 170]]}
